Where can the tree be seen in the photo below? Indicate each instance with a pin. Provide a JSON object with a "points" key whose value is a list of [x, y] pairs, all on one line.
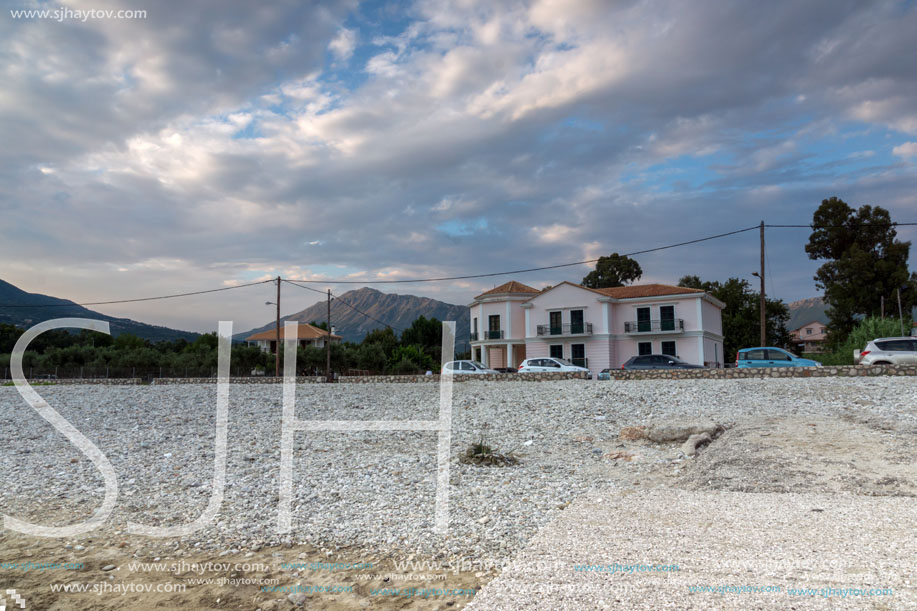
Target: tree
{"points": [[426, 333], [864, 262], [385, 337], [613, 270], [742, 314], [407, 359]]}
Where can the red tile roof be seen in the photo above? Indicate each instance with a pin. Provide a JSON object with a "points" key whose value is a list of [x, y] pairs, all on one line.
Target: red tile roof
{"points": [[303, 331], [645, 290], [510, 287]]}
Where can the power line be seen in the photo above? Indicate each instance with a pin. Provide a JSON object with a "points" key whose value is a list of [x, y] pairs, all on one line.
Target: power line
{"points": [[95, 303], [531, 269]]}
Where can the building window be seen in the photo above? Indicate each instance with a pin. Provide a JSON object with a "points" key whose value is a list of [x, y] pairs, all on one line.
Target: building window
{"points": [[644, 324], [273, 346], [667, 318], [557, 351], [474, 326], [477, 354], [668, 348], [576, 321], [578, 354], [493, 326], [808, 331], [554, 322], [644, 348]]}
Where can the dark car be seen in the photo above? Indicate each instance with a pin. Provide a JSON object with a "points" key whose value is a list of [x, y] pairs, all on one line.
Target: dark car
{"points": [[505, 369], [658, 361]]}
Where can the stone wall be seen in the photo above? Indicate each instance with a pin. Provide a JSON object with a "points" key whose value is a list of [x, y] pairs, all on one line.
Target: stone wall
{"points": [[248, 380], [105, 381], [764, 372], [616, 374], [390, 379]]}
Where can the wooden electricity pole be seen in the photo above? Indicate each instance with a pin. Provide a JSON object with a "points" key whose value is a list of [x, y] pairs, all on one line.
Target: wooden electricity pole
{"points": [[763, 317], [328, 343], [277, 329]]}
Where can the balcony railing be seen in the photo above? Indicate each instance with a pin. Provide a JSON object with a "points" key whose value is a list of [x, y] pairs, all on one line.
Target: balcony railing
{"points": [[571, 329], [487, 335], [583, 362], [669, 325], [474, 337]]}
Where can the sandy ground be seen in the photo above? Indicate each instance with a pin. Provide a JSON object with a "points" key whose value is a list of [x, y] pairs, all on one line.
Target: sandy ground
{"points": [[843, 456], [813, 512], [241, 589]]}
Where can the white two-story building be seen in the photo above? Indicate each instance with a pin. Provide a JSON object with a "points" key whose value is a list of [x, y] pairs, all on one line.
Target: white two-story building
{"points": [[596, 328]]}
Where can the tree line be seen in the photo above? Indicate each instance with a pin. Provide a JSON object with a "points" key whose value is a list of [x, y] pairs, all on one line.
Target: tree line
{"points": [[864, 275], [91, 354]]}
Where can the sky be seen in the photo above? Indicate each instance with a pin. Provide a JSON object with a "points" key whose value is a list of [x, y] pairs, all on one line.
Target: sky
{"points": [[207, 144]]}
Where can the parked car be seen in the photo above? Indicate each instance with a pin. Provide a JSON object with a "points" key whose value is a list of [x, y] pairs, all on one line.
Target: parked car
{"points": [[771, 357], [505, 369], [888, 351], [466, 367], [605, 374], [550, 364], [658, 361]]}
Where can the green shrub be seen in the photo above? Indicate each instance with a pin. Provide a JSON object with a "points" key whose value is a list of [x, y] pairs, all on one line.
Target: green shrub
{"points": [[867, 330]]}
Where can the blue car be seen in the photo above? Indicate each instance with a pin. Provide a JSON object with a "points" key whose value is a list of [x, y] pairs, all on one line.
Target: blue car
{"points": [[771, 357]]}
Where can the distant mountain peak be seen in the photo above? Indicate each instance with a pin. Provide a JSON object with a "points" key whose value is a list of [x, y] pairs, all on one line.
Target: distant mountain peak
{"points": [[373, 309]]}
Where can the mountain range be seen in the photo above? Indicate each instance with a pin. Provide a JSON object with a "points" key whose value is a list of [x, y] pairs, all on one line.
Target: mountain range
{"points": [[357, 312], [25, 310]]}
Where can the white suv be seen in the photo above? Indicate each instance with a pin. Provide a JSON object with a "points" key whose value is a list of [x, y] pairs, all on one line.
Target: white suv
{"points": [[888, 351], [550, 364]]}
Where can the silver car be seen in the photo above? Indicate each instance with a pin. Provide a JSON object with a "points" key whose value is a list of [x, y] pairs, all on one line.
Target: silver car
{"points": [[466, 367], [888, 351], [548, 364]]}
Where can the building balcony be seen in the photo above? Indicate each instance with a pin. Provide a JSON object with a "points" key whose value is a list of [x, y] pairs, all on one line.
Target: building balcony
{"points": [[639, 327], [565, 330], [485, 335]]}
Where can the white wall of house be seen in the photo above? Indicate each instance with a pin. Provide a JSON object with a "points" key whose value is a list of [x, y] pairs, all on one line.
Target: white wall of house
{"points": [[609, 344]]}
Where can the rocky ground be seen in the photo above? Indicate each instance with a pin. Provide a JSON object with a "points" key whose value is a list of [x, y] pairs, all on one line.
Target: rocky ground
{"points": [[369, 496]]}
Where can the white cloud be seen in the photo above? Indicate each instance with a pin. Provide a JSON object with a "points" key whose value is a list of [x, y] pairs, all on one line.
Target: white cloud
{"points": [[908, 149], [343, 45]]}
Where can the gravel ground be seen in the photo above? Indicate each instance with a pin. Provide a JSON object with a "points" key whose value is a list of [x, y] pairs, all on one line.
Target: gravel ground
{"points": [[374, 491], [801, 551]]}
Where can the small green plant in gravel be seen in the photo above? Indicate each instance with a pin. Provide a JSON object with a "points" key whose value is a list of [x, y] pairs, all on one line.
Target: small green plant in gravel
{"points": [[482, 454]]}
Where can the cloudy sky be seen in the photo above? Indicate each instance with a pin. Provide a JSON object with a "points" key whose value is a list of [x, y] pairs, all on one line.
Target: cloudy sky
{"points": [[213, 143]]}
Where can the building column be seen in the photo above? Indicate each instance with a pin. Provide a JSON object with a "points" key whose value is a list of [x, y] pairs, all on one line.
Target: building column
{"points": [[509, 356], [484, 356]]}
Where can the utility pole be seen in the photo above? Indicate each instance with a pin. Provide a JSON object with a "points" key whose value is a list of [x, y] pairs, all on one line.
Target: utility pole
{"points": [[763, 318], [277, 352], [882, 306], [763, 300], [900, 315], [328, 343]]}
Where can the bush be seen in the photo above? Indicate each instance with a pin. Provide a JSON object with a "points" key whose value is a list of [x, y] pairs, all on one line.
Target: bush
{"points": [[867, 330], [413, 354], [403, 367]]}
